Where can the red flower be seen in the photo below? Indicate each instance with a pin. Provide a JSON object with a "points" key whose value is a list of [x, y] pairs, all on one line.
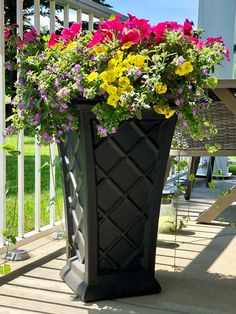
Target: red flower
{"points": [[20, 43], [132, 35], [187, 28], [159, 31], [197, 42], [212, 40], [7, 32], [30, 36], [53, 40]]}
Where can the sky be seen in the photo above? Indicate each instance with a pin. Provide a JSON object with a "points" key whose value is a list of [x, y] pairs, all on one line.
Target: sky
{"points": [[158, 10]]}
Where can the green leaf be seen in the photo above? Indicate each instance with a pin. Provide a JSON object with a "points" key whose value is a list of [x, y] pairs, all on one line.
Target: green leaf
{"points": [[56, 161], [46, 164], [5, 269], [180, 187], [11, 150], [212, 82], [211, 186], [219, 172], [191, 177]]}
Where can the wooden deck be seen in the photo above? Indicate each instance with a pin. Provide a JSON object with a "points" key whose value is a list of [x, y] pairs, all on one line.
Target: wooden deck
{"points": [[196, 270]]}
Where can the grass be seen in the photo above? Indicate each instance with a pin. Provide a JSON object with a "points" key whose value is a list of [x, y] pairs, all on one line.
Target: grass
{"points": [[11, 178], [232, 169]]}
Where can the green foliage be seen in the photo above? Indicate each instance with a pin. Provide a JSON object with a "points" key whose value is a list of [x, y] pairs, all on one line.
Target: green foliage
{"points": [[123, 77], [5, 269]]}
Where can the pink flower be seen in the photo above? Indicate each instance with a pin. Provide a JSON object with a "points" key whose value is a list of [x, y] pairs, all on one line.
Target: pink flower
{"points": [[187, 28], [75, 28], [160, 28], [141, 24], [20, 43], [197, 42], [7, 32], [53, 40], [212, 40], [227, 54], [114, 25], [30, 36], [132, 35], [69, 34]]}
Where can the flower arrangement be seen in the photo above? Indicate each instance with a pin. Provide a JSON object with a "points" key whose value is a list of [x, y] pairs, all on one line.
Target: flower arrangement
{"points": [[126, 67]]}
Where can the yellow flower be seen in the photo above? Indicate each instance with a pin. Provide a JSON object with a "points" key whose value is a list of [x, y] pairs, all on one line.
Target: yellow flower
{"points": [[92, 76], [108, 76], [123, 81], [119, 55], [126, 64], [112, 63], [168, 112], [104, 86], [184, 69], [127, 88], [111, 90], [160, 88], [99, 49], [71, 45], [139, 61], [112, 100], [127, 45]]}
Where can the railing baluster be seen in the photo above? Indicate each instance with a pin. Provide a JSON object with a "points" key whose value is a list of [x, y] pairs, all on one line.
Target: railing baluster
{"points": [[19, 18], [66, 15], [79, 15], [90, 22], [37, 206], [52, 145], [52, 15], [2, 127]]}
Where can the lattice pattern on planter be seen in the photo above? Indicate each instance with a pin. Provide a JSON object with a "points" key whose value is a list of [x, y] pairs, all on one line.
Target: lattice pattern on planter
{"points": [[124, 174], [74, 193]]}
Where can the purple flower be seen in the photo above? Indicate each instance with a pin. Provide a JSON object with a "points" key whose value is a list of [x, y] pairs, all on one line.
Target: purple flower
{"points": [[42, 56], [113, 130], [21, 80], [57, 84], [180, 90], [64, 92], [8, 66], [204, 70], [54, 68], [177, 102], [63, 107], [31, 104], [67, 127], [102, 131], [59, 132], [76, 69], [180, 60], [37, 117], [195, 111], [137, 73], [29, 72], [189, 86], [185, 123], [179, 114], [54, 106]]}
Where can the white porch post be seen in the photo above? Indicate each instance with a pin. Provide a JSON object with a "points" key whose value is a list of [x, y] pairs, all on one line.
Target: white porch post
{"points": [[79, 15], [66, 15], [19, 18], [2, 127], [37, 207]]}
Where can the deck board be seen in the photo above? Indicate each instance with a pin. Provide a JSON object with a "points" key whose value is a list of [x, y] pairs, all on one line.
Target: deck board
{"points": [[199, 276]]}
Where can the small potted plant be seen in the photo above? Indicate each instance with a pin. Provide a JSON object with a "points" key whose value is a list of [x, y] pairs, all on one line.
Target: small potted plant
{"points": [[111, 100]]}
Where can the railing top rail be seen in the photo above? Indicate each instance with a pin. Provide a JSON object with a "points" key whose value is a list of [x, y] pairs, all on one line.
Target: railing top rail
{"points": [[89, 6]]}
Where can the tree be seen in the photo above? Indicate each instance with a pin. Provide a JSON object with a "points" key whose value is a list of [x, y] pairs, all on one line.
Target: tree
{"points": [[103, 2]]}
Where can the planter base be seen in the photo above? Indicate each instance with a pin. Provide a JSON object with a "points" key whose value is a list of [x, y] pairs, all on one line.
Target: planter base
{"points": [[112, 192], [125, 285]]}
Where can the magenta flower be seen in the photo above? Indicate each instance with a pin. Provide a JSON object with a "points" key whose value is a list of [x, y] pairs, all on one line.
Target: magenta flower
{"points": [[30, 36]]}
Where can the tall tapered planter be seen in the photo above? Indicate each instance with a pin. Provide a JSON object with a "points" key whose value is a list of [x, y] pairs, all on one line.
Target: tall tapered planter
{"points": [[112, 193]]}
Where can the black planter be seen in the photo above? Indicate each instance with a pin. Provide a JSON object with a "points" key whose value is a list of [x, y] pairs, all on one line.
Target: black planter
{"points": [[112, 192]]}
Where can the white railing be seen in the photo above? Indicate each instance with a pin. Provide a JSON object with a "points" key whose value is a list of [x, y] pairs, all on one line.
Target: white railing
{"points": [[84, 9], [175, 173]]}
